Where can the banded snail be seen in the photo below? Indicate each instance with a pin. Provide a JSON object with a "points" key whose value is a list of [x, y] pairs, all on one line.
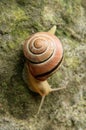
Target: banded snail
{"points": [[44, 53]]}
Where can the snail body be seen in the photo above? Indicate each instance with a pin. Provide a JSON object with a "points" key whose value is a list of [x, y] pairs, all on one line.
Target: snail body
{"points": [[44, 53], [41, 87]]}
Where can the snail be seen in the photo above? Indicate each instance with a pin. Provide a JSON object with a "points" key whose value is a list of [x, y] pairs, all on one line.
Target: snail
{"points": [[44, 54]]}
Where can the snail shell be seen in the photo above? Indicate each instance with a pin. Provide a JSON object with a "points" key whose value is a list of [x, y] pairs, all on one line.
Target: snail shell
{"points": [[44, 54]]}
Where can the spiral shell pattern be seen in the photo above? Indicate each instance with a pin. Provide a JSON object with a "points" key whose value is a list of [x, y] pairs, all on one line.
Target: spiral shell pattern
{"points": [[44, 53]]}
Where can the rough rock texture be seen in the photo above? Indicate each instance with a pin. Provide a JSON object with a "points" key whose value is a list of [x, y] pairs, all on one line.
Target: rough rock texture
{"points": [[62, 110]]}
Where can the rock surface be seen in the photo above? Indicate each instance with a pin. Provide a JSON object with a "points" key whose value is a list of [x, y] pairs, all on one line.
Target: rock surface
{"points": [[65, 109]]}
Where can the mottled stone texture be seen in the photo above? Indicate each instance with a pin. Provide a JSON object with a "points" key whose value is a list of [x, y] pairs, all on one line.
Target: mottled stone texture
{"points": [[62, 110]]}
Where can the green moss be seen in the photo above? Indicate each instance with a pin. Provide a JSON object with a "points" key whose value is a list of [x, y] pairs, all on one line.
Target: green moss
{"points": [[19, 35], [72, 62], [11, 45], [11, 13], [73, 43], [18, 14], [56, 78], [37, 26], [17, 99]]}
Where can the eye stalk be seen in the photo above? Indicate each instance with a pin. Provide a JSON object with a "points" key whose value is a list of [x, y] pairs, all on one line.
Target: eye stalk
{"points": [[44, 53]]}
